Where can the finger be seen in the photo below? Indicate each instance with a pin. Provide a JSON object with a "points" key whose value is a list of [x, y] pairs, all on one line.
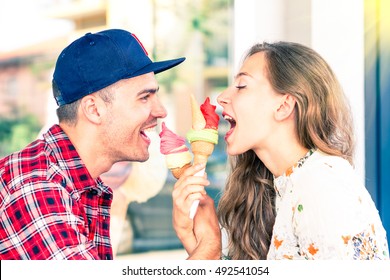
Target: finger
{"points": [[181, 196], [192, 197], [189, 201], [192, 170], [189, 189], [183, 203], [191, 180]]}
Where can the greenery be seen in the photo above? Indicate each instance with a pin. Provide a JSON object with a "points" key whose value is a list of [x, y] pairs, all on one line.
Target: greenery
{"points": [[16, 133]]}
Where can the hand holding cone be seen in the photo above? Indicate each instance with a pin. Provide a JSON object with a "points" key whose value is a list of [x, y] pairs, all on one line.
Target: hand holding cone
{"points": [[203, 136]]}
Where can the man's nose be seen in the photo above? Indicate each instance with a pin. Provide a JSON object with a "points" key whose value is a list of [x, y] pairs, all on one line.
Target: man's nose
{"points": [[159, 110]]}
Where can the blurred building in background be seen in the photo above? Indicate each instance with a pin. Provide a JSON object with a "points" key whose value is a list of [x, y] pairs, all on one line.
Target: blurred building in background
{"points": [[167, 28], [352, 35]]}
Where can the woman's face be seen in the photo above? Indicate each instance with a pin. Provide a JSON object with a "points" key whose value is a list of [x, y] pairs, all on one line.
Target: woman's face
{"points": [[250, 105]]}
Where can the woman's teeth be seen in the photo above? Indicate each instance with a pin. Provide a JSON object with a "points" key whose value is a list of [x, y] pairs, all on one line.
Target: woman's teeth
{"points": [[230, 120]]}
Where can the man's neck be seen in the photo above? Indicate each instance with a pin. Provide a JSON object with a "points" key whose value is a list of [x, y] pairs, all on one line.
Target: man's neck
{"points": [[87, 146]]}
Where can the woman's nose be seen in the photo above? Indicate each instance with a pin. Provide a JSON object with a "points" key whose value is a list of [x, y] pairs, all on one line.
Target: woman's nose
{"points": [[222, 98]]}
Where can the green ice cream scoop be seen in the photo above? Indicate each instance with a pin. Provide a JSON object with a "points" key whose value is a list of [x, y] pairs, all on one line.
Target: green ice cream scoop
{"points": [[208, 135]]}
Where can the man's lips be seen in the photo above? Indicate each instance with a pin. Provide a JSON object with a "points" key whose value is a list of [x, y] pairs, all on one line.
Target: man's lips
{"points": [[146, 130], [145, 136]]}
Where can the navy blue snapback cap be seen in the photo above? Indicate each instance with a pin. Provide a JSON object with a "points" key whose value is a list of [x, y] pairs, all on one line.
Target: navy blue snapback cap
{"points": [[100, 59]]}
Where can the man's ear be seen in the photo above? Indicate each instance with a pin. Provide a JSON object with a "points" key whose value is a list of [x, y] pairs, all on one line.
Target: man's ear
{"points": [[286, 107], [92, 108]]}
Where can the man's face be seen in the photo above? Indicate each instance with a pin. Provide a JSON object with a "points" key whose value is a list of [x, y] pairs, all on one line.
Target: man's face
{"points": [[135, 109]]}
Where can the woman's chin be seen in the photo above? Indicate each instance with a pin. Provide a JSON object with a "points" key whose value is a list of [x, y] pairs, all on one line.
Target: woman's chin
{"points": [[231, 151]]}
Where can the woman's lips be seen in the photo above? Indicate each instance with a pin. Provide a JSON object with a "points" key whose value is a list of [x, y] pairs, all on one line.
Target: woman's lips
{"points": [[232, 122], [228, 134]]}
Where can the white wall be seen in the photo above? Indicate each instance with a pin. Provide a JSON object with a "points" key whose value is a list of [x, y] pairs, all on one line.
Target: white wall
{"points": [[338, 35], [256, 21], [333, 28]]}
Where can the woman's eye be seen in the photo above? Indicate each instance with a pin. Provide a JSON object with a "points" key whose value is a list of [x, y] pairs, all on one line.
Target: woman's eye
{"points": [[240, 86]]}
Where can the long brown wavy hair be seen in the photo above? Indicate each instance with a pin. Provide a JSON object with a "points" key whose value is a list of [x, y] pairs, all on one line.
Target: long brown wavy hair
{"points": [[323, 121]]}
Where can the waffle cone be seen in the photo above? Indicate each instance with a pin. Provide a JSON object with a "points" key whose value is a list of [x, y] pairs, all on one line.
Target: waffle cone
{"points": [[198, 120], [177, 172], [201, 150]]}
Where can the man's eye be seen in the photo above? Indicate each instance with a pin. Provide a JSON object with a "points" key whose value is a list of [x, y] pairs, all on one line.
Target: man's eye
{"points": [[240, 87], [145, 97]]}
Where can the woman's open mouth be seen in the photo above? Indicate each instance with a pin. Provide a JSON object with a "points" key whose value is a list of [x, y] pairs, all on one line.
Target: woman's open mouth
{"points": [[232, 122]]}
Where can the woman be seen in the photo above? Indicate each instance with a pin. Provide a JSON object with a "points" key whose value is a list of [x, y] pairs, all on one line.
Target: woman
{"points": [[292, 192]]}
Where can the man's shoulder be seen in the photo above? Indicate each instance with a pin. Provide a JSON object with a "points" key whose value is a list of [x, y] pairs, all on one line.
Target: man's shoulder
{"points": [[30, 162]]}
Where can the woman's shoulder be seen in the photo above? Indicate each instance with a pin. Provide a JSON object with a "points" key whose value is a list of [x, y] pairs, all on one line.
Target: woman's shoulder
{"points": [[320, 158], [322, 170]]}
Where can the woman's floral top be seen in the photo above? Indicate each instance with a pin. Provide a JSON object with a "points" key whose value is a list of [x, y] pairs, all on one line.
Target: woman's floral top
{"points": [[325, 212]]}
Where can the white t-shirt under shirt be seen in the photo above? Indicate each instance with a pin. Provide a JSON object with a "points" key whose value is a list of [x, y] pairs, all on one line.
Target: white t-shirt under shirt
{"points": [[323, 211]]}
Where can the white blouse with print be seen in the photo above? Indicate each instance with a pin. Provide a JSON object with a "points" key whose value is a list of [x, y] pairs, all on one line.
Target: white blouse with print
{"points": [[325, 212]]}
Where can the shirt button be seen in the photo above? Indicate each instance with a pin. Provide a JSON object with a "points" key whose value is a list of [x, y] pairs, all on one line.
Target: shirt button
{"points": [[94, 192]]}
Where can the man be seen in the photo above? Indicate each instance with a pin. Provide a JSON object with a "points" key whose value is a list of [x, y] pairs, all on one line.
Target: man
{"points": [[53, 205]]}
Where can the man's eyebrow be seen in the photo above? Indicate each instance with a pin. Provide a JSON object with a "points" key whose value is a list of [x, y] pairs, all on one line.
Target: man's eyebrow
{"points": [[242, 74], [149, 90]]}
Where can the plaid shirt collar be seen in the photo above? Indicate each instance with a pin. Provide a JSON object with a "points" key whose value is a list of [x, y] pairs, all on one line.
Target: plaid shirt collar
{"points": [[65, 155]]}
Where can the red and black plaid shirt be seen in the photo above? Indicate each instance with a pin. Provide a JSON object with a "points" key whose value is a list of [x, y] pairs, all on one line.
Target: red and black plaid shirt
{"points": [[50, 207]]}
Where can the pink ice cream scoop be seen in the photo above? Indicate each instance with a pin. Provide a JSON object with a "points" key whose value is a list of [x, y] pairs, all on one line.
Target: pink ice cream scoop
{"points": [[177, 155]]}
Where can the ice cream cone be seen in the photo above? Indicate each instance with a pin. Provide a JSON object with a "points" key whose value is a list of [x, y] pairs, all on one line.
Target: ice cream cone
{"points": [[201, 150], [177, 155], [178, 171], [198, 120], [203, 136]]}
